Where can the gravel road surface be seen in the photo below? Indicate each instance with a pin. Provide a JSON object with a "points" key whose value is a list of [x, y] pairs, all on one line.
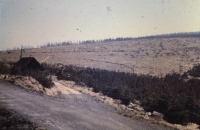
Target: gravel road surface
{"points": [[68, 112]]}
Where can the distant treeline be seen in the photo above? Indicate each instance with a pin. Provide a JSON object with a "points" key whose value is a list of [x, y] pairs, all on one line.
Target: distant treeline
{"points": [[23, 47], [171, 35], [85, 42], [65, 43]]}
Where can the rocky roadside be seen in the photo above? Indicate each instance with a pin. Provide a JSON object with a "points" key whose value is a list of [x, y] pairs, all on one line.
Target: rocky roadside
{"points": [[133, 110]]}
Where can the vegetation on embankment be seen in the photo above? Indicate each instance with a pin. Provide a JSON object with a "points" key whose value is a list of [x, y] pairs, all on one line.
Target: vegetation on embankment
{"points": [[41, 76], [176, 96]]}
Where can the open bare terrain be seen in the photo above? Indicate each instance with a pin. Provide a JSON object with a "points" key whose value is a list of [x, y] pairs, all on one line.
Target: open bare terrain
{"points": [[157, 56]]}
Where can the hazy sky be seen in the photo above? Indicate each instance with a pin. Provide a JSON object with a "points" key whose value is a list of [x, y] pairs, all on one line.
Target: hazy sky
{"points": [[36, 22]]}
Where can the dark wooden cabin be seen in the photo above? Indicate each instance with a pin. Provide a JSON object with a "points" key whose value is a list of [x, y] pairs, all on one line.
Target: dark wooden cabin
{"points": [[28, 63]]}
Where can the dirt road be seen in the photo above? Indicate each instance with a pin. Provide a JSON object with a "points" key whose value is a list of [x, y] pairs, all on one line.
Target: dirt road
{"points": [[68, 112]]}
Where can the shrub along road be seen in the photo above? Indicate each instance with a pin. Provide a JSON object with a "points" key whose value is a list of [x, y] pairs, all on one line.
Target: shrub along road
{"points": [[66, 112]]}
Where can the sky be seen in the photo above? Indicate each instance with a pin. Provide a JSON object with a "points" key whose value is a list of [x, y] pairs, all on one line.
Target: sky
{"points": [[37, 22]]}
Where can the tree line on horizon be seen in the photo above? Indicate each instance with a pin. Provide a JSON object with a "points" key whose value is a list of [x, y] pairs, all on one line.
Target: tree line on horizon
{"points": [[171, 35], [65, 43]]}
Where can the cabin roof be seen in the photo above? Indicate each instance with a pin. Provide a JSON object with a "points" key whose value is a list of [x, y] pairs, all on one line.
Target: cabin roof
{"points": [[24, 61]]}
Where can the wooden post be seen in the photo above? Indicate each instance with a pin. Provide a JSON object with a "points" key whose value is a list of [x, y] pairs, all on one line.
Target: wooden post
{"points": [[20, 59], [21, 52]]}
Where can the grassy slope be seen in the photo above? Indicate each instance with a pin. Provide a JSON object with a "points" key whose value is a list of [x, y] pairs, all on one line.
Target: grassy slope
{"points": [[147, 56]]}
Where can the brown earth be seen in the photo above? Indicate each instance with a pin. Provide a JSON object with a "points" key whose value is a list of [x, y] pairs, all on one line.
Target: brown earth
{"points": [[145, 56]]}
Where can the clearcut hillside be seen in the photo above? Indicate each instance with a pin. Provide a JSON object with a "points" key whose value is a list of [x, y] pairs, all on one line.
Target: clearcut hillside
{"points": [[156, 56]]}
